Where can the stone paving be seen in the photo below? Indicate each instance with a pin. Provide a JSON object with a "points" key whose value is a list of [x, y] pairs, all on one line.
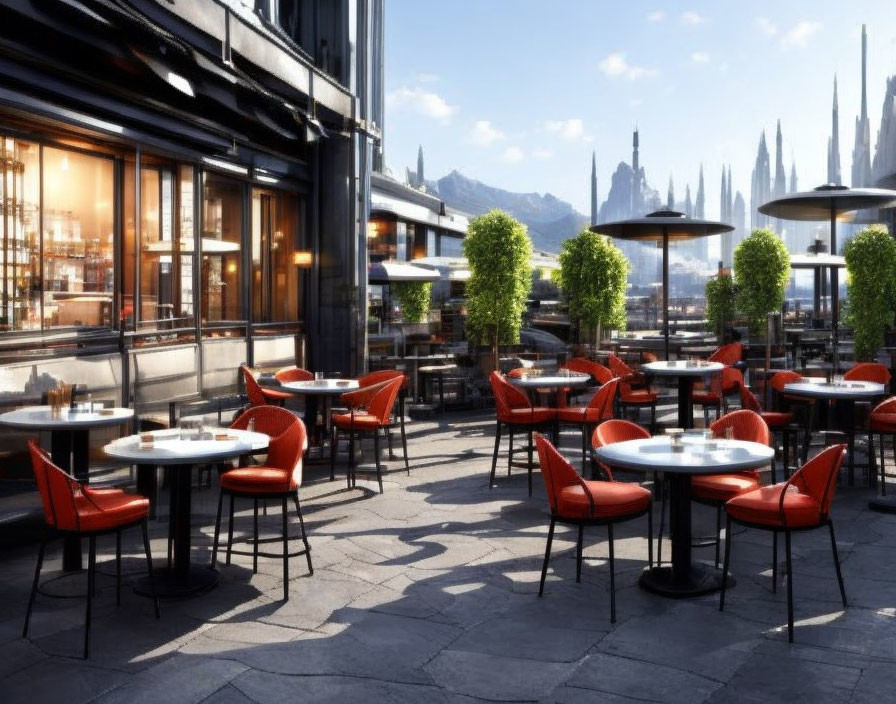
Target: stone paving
{"points": [[428, 593]]}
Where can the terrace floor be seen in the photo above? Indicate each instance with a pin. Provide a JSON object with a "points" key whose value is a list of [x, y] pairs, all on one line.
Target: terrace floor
{"points": [[429, 593]]}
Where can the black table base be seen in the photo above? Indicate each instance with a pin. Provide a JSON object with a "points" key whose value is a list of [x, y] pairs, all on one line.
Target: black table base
{"points": [[69, 450], [685, 406], [173, 583]]}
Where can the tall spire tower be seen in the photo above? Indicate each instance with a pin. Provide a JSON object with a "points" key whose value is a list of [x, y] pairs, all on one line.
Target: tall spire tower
{"points": [[834, 142], [780, 187], [793, 181], [670, 195], [636, 176], [861, 152], [421, 182], [700, 203], [761, 186], [593, 188]]}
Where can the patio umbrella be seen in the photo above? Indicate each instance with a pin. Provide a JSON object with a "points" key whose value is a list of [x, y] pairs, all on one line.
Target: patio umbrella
{"points": [[662, 226], [829, 202]]}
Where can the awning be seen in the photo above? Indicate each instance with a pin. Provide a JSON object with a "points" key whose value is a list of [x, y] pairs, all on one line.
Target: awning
{"points": [[391, 271]]}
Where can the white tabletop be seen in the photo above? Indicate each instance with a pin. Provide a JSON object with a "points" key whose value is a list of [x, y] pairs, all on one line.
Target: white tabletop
{"points": [[549, 381], [845, 390], [41, 418], [655, 454], [317, 387], [168, 448], [680, 368]]}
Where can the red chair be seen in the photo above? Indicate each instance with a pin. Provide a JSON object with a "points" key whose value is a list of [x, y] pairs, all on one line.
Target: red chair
{"points": [[578, 502], [74, 509], [630, 397], [582, 366], [868, 371], [514, 410], [370, 411], [728, 355], [258, 395], [881, 422], [722, 385], [279, 478], [777, 421], [801, 503], [625, 372], [587, 418], [716, 489], [378, 376]]}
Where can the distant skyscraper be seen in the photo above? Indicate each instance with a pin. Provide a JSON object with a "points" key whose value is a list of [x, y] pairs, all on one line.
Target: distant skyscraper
{"points": [[861, 152], [701, 243], [724, 215], [637, 177], [688, 205], [780, 187], [761, 185], [834, 142], [421, 181], [593, 188], [670, 196], [738, 219], [793, 181]]}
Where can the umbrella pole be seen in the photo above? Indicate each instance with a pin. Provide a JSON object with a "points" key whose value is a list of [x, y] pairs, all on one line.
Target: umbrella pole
{"points": [[835, 295], [666, 289]]}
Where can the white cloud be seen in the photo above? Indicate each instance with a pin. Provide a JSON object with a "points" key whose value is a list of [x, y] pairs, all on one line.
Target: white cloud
{"points": [[615, 65], [692, 18], [512, 155], [766, 26], [424, 77], [484, 133], [566, 129], [656, 16], [542, 153], [422, 102], [700, 57], [799, 35]]}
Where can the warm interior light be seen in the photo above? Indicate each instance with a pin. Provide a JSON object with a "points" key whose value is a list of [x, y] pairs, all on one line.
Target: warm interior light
{"points": [[302, 258], [372, 230], [231, 268]]}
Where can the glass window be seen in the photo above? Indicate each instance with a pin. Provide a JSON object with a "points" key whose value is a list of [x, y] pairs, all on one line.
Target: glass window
{"points": [[21, 224], [451, 246], [78, 217], [275, 272], [221, 244]]}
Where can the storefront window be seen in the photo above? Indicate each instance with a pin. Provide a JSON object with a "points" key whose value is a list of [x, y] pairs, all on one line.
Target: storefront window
{"points": [[451, 246], [275, 271], [221, 238]]}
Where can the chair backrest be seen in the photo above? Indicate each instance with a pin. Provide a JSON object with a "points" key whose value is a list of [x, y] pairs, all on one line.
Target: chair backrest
{"points": [[780, 379], [556, 471], [293, 374], [747, 425], [253, 390], [868, 371], [727, 354], [57, 490], [618, 367], [886, 406], [384, 400], [270, 420], [382, 375], [578, 364], [617, 430], [507, 396], [601, 373], [818, 477], [603, 399], [748, 400]]}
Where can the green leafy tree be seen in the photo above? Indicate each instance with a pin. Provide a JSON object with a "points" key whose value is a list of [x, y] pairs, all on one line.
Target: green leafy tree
{"points": [[413, 297], [871, 265], [593, 274], [721, 294], [499, 253], [761, 273]]}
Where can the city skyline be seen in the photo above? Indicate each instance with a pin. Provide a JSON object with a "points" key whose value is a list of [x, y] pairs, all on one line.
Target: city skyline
{"points": [[556, 154]]}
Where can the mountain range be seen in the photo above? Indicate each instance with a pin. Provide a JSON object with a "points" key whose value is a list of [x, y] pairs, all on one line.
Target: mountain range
{"points": [[549, 219]]}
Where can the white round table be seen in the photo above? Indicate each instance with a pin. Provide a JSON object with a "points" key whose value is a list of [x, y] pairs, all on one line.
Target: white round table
{"points": [[686, 372], [184, 578], [685, 578], [69, 446], [553, 381], [841, 419]]}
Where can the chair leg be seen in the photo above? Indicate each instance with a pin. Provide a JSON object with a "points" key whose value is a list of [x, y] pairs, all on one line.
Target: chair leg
{"points": [[285, 552], [883, 467], [726, 564], [705, 416], [388, 432], [584, 445], [229, 532], [118, 568], [509, 448], [612, 575], [547, 557], [255, 535], [149, 569], [653, 418], [491, 477], [91, 576], [718, 532], [351, 458], [334, 439], [217, 529], [304, 535], [34, 585], [789, 587], [659, 543], [579, 553], [404, 448], [376, 458], [531, 441], [650, 536], [837, 563], [774, 562]]}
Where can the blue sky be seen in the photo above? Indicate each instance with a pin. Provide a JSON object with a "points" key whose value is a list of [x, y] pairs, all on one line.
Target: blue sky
{"points": [[517, 93]]}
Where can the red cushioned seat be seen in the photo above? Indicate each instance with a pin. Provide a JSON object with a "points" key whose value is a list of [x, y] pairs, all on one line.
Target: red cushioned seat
{"points": [[721, 487], [762, 506], [258, 480], [105, 510], [360, 420], [579, 414], [638, 396], [535, 415], [709, 397], [883, 422], [611, 500], [776, 419]]}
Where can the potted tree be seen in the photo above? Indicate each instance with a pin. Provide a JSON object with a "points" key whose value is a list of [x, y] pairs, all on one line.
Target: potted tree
{"points": [[593, 275], [871, 267], [721, 294], [499, 254], [761, 273]]}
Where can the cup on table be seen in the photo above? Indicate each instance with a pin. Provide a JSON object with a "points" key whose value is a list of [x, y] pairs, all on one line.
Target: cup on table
{"points": [[729, 433], [676, 434], [318, 376], [710, 441]]}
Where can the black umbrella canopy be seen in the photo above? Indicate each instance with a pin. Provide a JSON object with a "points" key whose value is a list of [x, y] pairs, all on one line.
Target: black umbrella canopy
{"points": [[655, 226], [819, 203]]}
